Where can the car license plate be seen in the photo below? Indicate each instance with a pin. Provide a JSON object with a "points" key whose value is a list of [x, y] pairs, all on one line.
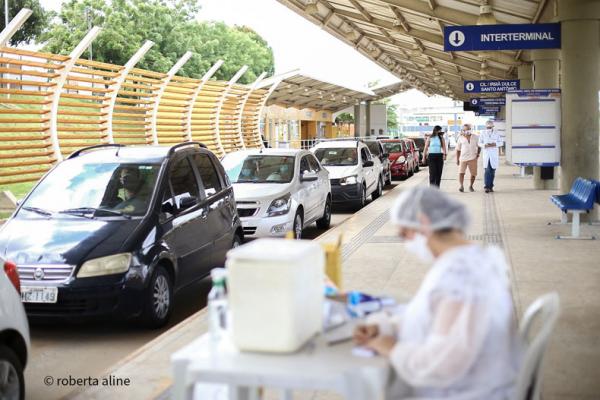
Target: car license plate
{"points": [[35, 294]]}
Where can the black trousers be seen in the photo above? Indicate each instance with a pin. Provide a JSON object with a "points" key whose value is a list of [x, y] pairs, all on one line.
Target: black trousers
{"points": [[436, 166]]}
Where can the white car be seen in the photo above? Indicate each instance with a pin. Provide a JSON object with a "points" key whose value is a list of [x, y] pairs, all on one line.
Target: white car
{"points": [[354, 172], [278, 190], [14, 334]]}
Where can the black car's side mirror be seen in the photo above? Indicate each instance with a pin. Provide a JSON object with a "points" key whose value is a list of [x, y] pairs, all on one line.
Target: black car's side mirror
{"points": [[368, 164], [187, 202], [167, 207]]}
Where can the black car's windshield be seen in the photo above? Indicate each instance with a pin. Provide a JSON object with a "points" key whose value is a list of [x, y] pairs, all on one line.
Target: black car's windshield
{"points": [[374, 148], [95, 189], [259, 168], [392, 147], [420, 143], [337, 156]]}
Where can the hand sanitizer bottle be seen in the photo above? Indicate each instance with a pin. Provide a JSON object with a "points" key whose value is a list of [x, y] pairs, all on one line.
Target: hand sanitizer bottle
{"points": [[217, 305]]}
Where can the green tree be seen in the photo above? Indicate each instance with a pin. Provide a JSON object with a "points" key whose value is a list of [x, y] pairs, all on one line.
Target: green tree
{"points": [[35, 24], [392, 115], [170, 24]]}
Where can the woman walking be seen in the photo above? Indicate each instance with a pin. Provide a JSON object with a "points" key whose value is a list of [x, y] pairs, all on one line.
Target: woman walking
{"points": [[435, 154]]}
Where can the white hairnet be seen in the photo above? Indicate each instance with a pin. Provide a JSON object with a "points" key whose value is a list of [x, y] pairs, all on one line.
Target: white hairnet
{"points": [[442, 211]]}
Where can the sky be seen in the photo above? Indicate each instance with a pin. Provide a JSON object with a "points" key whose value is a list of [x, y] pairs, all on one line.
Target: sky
{"points": [[300, 44]]}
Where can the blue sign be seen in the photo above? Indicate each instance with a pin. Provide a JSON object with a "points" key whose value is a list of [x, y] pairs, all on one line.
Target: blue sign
{"points": [[491, 86], [502, 37], [489, 101], [537, 92], [489, 110]]}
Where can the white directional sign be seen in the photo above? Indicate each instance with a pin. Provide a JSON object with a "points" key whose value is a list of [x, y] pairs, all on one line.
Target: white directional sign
{"points": [[456, 38]]}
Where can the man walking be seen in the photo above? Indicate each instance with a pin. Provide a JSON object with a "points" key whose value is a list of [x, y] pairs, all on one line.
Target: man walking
{"points": [[490, 141], [467, 153]]}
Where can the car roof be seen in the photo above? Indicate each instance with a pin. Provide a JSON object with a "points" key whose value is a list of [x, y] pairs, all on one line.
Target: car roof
{"points": [[128, 154], [270, 151], [338, 143]]}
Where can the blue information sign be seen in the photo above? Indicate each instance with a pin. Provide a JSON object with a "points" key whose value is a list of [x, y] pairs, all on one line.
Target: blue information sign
{"points": [[489, 110], [502, 37], [489, 101], [491, 86]]}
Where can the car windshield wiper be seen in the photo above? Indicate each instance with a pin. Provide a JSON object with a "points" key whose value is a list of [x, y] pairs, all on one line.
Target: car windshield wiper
{"points": [[91, 210], [38, 210]]}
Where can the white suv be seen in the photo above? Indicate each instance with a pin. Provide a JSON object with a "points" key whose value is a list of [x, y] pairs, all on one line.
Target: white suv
{"points": [[278, 191], [354, 172], [14, 334]]}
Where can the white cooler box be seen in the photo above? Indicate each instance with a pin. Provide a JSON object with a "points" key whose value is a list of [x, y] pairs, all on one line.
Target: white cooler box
{"points": [[275, 294]]}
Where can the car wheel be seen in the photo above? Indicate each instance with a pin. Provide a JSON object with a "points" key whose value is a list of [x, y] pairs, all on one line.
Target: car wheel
{"points": [[379, 191], [417, 167], [298, 225], [362, 200], [237, 241], [388, 180], [411, 172], [325, 221], [159, 299], [12, 383]]}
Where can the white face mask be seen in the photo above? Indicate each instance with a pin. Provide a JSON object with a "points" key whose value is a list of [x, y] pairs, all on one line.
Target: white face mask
{"points": [[418, 247], [468, 133]]}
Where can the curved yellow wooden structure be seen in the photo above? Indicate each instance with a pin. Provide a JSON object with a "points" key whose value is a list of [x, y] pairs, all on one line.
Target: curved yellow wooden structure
{"points": [[51, 105]]}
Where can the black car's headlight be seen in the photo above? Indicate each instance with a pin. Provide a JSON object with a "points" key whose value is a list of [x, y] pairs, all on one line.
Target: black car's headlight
{"points": [[108, 265], [280, 206]]}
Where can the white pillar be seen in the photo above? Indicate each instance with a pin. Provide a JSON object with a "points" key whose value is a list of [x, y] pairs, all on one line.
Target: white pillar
{"points": [[116, 86], [60, 82], [14, 25], [190, 110], [161, 90], [243, 104], [231, 82], [264, 101]]}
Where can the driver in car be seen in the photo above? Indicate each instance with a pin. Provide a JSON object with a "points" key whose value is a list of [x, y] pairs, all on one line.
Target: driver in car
{"points": [[283, 174], [132, 183]]}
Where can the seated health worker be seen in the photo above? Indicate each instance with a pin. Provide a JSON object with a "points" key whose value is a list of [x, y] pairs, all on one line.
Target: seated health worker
{"points": [[457, 338]]}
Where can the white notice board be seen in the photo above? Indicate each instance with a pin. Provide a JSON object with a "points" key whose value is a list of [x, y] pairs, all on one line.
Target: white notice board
{"points": [[533, 127]]}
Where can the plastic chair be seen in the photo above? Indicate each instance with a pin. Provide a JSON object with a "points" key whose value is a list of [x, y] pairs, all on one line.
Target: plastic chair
{"points": [[546, 310]]}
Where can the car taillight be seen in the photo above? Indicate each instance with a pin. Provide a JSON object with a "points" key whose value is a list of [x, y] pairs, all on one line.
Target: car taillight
{"points": [[10, 269]]}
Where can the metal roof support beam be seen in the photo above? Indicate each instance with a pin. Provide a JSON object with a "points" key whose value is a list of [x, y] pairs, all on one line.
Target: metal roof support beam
{"points": [[109, 105], [192, 100], [14, 25], [60, 83], [161, 90], [230, 84], [442, 56], [421, 35]]}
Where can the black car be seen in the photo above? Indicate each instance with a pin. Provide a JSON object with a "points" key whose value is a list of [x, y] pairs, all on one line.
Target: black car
{"points": [[378, 151], [116, 230], [420, 143]]}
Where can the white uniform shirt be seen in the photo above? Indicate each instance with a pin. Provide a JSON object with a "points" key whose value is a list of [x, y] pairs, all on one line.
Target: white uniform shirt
{"points": [[479, 355], [490, 154]]}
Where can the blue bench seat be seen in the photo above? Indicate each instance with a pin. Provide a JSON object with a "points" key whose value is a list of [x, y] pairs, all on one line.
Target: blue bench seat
{"points": [[584, 193]]}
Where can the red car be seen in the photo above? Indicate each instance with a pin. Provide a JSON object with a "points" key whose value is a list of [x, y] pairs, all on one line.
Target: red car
{"points": [[403, 163], [412, 147]]}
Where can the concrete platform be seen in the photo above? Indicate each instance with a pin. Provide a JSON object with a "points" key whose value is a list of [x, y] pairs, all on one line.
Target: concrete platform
{"points": [[514, 217]]}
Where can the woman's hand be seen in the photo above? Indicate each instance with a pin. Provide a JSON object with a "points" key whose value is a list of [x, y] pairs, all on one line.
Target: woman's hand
{"points": [[364, 333], [383, 345]]}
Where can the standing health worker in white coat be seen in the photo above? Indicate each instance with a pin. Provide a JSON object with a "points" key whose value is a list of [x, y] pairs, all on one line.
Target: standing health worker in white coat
{"points": [[490, 141], [457, 338]]}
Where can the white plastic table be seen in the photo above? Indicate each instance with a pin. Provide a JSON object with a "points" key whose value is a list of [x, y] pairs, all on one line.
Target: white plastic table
{"points": [[317, 366]]}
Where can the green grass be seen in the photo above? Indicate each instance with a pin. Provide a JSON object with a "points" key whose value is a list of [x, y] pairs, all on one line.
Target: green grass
{"points": [[4, 215], [19, 190]]}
